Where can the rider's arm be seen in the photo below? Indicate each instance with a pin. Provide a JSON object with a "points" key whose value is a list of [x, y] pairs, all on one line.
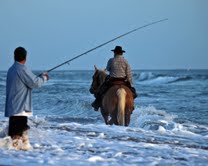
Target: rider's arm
{"points": [[108, 67], [129, 73]]}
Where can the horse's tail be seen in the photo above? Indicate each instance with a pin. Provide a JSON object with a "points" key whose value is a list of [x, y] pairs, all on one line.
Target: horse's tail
{"points": [[121, 94]]}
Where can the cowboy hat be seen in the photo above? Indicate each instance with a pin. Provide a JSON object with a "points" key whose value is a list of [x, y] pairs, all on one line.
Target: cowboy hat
{"points": [[118, 49]]}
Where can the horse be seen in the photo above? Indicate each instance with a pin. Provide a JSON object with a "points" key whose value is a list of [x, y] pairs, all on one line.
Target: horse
{"points": [[117, 102]]}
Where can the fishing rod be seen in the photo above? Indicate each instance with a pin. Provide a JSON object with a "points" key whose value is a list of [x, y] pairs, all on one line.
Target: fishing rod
{"points": [[144, 26]]}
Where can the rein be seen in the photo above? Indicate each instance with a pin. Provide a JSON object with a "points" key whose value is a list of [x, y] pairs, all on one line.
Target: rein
{"points": [[100, 83]]}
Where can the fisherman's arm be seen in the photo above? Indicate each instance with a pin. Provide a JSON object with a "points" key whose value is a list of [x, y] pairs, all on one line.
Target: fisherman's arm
{"points": [[31, 80]]}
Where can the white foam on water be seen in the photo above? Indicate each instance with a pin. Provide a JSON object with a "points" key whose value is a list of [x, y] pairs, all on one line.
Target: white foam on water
{"points": [[150, 78], [146, 76], [96, 159], [153, 138], [6, 143], [77, 144], [152, 119], [161, 80]]}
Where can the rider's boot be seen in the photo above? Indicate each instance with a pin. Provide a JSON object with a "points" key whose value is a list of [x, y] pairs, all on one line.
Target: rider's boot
{"points": [[96, 104]]}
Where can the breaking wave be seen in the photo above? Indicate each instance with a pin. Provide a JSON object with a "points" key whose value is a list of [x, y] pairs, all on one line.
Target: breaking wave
{"points": [[151, 77]]}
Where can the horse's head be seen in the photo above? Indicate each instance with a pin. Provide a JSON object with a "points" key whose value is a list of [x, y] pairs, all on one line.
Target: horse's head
{"points": [[97, 80]]}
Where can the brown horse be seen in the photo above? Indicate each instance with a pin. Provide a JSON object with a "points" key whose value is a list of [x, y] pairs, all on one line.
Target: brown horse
{"points": [[117, 102]]}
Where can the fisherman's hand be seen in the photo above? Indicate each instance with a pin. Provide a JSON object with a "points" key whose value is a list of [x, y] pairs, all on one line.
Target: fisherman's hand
{"points": [[45, 76]]}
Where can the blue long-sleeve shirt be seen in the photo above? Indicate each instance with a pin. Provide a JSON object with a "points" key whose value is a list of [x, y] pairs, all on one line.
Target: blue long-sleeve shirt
{"points": [[19, 85]]}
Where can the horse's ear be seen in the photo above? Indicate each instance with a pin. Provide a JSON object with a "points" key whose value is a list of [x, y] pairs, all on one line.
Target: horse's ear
{"points": [[95, 67]]}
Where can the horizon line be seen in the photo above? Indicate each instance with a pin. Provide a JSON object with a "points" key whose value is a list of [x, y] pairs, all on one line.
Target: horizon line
{"points": [[189, 69]]}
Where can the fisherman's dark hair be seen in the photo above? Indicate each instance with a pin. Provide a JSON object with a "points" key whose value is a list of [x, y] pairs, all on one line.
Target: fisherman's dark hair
{"points": [[20, 54]]}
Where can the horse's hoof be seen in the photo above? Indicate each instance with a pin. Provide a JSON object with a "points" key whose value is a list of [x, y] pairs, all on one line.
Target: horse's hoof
{"points": [[111, 122]]}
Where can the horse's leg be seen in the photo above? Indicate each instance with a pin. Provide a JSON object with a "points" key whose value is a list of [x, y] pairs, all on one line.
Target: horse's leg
{"points": [[113, 119], [127, 117], [105, 116]]}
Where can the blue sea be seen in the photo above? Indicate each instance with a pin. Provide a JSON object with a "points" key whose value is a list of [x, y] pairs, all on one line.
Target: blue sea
{"points": [[169, 125]]}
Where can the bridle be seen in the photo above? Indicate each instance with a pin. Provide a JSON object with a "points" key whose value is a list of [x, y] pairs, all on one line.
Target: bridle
{"points": [[96, 79]]}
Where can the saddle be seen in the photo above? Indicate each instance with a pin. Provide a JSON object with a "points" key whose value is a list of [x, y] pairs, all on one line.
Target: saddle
{"points": [[118, 82], [111, 81]]}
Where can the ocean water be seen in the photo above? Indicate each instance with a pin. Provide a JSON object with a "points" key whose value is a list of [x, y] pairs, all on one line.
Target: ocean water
{"points": [[169, 125]]}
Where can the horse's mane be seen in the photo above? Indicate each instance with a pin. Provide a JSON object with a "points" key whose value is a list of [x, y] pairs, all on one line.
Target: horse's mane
{"points": [[102, 75]]}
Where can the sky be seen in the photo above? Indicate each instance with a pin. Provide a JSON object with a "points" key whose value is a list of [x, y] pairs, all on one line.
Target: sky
{"points": [[53, 31]]}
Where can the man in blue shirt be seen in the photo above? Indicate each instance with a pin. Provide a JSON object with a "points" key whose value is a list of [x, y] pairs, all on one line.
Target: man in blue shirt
{"points": [[19, 85]]}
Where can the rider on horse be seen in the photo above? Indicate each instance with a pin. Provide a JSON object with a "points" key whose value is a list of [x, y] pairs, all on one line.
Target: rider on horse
{"points": [[119, 73]]}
